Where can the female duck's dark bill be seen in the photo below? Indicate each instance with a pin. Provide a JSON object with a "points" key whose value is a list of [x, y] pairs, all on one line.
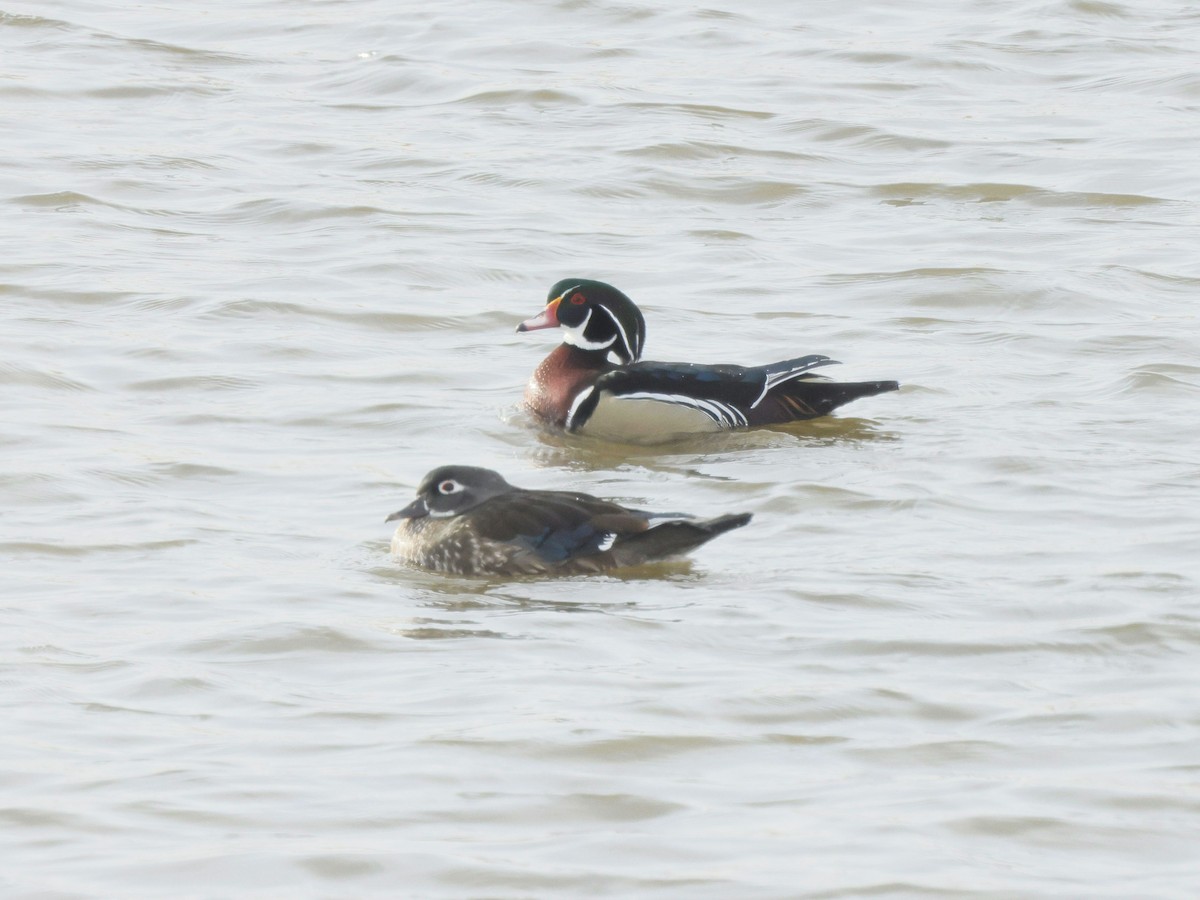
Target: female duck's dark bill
{"points": [[547, 318], [414, 510]]}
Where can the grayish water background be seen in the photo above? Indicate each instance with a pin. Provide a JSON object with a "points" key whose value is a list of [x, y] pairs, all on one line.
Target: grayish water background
{"points": [[261, 266]]}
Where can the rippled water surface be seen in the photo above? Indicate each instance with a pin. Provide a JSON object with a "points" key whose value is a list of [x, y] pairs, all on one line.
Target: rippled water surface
{"points": [[261, 268]]}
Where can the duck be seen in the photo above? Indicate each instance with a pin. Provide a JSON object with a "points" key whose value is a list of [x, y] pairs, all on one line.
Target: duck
{"points": [[468, 520], [596, 381]]}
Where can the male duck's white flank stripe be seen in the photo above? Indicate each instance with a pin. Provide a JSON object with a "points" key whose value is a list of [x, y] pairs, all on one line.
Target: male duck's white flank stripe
{"points": [[722, 413]]}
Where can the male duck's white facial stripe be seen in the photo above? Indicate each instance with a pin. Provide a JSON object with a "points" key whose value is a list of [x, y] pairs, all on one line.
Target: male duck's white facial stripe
{"points": [[631, 353], [574, 336], [724, 414]]}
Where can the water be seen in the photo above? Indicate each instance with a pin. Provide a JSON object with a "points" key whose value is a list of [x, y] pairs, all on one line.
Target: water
{"points": [[262, 265]]}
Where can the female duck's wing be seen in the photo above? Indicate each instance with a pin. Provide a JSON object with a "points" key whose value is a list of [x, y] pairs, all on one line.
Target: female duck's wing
{"points": [[546, 529]]}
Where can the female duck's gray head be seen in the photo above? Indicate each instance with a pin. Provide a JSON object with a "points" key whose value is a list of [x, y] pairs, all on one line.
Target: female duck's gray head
{"points": [[452, 490]]}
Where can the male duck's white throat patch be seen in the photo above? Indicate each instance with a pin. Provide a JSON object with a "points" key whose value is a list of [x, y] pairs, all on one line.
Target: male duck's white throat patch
{"points": [[575, 337]]}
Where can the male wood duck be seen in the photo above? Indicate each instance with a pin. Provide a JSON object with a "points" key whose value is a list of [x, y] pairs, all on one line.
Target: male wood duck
{"points": [[577, 387], [470, 521]]}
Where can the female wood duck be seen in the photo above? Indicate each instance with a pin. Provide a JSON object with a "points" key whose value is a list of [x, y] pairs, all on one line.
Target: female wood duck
{"points": [[578, 388], [470, 521]]}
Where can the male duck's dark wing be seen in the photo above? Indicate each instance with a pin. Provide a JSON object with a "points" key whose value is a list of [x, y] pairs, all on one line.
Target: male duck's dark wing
{"points": [[548, 528], [727, 394]]}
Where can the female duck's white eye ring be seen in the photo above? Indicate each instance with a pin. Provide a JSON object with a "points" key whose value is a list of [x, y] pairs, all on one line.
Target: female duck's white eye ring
{"points": [[449, 486]]}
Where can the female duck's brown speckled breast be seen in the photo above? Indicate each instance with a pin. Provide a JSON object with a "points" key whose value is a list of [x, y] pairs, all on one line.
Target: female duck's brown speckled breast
{"points": [[448, 545]]}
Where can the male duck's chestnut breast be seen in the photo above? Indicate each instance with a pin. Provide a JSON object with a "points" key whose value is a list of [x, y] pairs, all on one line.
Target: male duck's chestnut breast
{"points": [[556, 382]]}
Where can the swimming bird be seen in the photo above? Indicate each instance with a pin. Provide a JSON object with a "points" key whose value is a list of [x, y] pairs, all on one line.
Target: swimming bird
{"points": [[468, 520], [578, 388]]}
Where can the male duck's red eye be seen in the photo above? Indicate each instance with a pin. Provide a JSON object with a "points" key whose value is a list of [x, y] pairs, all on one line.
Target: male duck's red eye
{"points": [[578, 299]]}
